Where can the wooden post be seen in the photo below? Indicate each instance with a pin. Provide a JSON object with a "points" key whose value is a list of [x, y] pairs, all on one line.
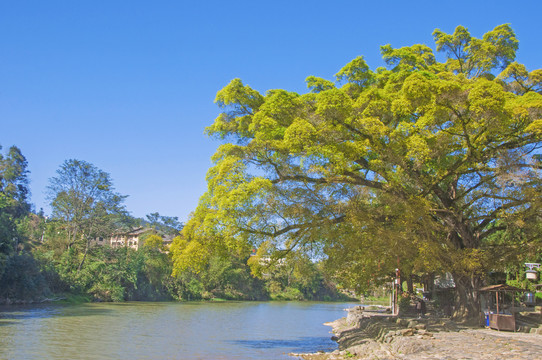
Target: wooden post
{"points": [[392, 299], [513, 314]]}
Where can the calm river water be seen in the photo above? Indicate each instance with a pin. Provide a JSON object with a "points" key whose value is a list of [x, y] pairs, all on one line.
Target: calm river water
{"points": [[228, 330]]}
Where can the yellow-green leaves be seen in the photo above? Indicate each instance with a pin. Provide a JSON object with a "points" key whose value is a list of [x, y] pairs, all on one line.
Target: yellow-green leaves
{"points": [[334, 105], [520, 81], [230, 187], [242, 97], [487, 98], [403, 162], [504, 45], [469, 262], [299, 135], [277, 112], [153, 242], [476, 57], [374, 103], [239, 102], [455, 45], [357, 72], [535, 128], [188, 255], [316, 84], [418, 150], [416, 57], [418, 90]]}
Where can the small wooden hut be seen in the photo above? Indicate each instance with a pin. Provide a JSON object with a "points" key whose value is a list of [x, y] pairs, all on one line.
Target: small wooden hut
{"points": [[500, 313]]}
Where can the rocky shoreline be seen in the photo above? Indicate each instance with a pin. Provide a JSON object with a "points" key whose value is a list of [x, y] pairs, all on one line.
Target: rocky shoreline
{"points": [[377, 335]]}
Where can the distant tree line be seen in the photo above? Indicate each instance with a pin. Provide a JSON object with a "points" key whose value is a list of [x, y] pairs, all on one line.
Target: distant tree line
{"points": [[56, 257]]}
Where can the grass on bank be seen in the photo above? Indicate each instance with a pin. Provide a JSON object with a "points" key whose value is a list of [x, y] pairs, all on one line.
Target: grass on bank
{"points": [[375, 300]]}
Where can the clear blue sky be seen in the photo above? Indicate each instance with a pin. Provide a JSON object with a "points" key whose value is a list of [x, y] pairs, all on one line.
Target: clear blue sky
{"points": [[129, 85]]}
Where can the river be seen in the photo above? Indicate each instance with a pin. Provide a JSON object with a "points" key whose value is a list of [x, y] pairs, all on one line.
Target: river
{"points": [[167, 330]]}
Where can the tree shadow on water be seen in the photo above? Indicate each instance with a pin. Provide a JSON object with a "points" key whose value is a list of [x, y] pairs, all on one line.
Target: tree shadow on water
{"points": [[301, 345], [15, 312]]}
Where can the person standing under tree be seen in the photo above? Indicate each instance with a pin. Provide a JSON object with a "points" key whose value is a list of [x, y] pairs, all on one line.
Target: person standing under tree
{"points": [[420, 308]]}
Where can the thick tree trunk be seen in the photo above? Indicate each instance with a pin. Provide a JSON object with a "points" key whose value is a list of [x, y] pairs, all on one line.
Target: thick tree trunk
{"points": [[467, 302], [410, 285], [429, 283]]}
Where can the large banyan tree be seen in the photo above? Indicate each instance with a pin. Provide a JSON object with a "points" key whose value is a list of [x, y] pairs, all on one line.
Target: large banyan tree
{"points": [[423, 165]]}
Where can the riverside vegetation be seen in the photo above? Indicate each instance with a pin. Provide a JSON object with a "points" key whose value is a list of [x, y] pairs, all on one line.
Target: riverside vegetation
{"points": [[428, 166], [53, 258]]}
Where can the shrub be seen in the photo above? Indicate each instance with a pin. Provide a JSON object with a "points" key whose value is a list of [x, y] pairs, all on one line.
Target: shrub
{"points": [[404, 302], [22, 280]]}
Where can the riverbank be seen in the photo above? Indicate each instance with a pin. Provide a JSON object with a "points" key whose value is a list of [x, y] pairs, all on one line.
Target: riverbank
{"points": [[366, 335]]}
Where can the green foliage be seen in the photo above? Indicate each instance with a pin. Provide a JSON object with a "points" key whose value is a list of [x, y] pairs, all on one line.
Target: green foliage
{"points": [[316, 84], [405, 303], [152, 242], [22, 280], [227, 276], [50, 270], [522, 284], [169, 225], [357, 71], [475, 57], [59, 260], [14, 181], [110, 274], [421, 165], [288, 293], [7, 226], [13, 198], [382, 300], [222, 277], [84, 202]]}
